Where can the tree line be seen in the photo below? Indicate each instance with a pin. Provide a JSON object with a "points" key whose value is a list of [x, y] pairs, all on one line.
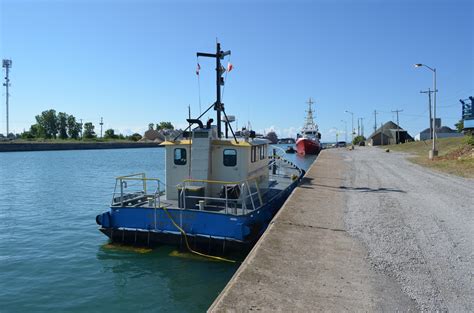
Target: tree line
{"points": [[52, 125]]}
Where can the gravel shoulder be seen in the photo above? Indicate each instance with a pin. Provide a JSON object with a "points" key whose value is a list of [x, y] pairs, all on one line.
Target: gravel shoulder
{"points": [[417, 225]]}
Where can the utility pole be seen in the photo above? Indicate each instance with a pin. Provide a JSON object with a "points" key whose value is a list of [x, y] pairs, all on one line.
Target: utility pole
{"points": [[398, 126], [375, 117], [358, 127], [218, 105], [7, 64], [101, 123], [429, 92], [381, 134], [362, 126]]}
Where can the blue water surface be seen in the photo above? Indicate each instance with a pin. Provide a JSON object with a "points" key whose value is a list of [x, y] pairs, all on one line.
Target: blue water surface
{"points": [[53, 258]]}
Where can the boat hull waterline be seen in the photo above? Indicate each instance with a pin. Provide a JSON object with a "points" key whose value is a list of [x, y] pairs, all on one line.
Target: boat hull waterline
{"points": [[307, 146]]}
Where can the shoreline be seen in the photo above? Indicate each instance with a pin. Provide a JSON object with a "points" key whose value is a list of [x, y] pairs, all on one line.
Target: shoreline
{"points": [[48, 146]]}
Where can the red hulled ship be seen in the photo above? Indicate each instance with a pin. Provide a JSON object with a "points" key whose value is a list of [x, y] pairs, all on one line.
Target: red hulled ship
{"points": [[308, 139]]}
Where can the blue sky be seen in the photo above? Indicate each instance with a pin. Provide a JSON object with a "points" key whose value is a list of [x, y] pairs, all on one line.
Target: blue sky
{"points": [[133, 62]]}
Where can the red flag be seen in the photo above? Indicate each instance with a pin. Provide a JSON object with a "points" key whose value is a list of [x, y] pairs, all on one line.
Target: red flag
{"points": [[229, 67], [198, 68]]}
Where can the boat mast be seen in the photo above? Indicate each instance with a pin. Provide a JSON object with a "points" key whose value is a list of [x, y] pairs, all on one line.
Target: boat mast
{"points": [[218, 105], [309, 117]]}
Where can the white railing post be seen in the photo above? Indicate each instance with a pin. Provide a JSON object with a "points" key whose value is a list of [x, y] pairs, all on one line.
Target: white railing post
{"points": [[184, 196], [250, 195], [258, 193], [121, 192], [144, 182], [159, 195], [225, 190]]}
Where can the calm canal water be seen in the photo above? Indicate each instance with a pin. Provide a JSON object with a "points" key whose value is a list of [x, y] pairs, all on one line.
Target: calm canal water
{"points": [[52, 256]]}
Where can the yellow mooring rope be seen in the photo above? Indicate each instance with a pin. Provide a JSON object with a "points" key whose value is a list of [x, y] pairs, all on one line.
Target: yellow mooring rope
{"points": [[187, 244]]}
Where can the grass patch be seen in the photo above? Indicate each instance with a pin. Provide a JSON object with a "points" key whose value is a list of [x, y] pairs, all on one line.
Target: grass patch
{"points": [[456, 155]]}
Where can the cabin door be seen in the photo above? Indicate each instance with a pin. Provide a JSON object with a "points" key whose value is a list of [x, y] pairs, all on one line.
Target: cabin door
{"points": [[177, 169]]}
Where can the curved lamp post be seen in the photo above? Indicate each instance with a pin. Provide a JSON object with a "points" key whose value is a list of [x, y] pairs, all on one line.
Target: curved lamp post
{"points": [[433, 151], [345, 130], [352, 130]]}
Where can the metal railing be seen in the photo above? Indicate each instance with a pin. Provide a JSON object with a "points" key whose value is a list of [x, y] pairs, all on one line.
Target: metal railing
{"points": [[229, 197], [132, 190], [249, 198], [278, 166]]}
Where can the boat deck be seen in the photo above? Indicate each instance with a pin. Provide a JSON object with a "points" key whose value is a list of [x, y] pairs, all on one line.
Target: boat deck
{"points": [[278, 182]]}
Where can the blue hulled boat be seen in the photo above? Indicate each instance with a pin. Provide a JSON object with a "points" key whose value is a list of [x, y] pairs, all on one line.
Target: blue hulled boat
{"points": [[221, 192]]}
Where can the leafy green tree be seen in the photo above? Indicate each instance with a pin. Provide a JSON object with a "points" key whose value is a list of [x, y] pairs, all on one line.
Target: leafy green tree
{"points": [[27, 135], [37, 131], [459, 126], [135, 137], [164, 125], [110, 134], [73, 127], [358, 139], [48, 121], [62, 125], [89, 131]]}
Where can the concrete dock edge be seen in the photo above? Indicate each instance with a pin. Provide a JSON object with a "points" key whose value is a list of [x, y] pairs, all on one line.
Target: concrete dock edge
{"points": [[40, 146], [306, 261]]}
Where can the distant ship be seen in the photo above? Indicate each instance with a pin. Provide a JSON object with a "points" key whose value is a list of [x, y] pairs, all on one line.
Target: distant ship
{"points": [[308, 139]]}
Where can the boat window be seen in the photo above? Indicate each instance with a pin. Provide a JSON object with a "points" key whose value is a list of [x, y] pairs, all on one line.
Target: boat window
{"points": [[180, 156], [263, 149], [253, 154], [230, 157]]}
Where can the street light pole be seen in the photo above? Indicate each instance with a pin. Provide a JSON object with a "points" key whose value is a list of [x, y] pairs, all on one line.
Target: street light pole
{"points": [[352, 130], [433, 152], [345, 130]]}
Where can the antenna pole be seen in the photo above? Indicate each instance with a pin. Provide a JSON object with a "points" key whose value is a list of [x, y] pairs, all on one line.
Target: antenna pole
{"points": [[218, 105], [101, 123], [7, 64]]}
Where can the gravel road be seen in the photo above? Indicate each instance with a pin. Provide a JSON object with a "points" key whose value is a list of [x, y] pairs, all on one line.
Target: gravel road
{"points": [[417, 224]]}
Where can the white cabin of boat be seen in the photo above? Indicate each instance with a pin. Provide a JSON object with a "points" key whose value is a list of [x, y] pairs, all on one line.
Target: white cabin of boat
{"points": [[207, 159]]}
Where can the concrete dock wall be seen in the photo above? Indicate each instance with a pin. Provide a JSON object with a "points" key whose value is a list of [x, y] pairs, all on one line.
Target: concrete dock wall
{"points": [[34, 146], [306, 261]]}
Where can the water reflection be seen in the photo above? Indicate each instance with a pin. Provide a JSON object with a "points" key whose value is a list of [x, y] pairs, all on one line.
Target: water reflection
{"points": [[176, 277]]}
